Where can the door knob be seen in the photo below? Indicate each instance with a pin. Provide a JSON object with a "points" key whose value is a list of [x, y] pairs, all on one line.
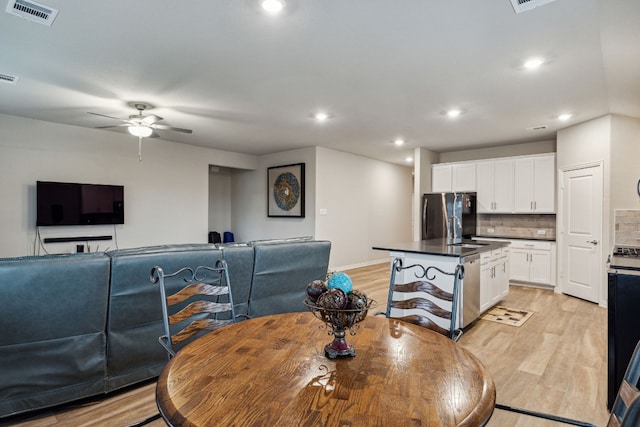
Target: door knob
{"points": [[593, 242]]}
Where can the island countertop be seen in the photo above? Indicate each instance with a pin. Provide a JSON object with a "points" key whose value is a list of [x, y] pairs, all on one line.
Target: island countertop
{"points": [[441, 247]]}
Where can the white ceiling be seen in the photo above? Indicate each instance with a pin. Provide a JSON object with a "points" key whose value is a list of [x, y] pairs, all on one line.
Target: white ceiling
{"points": [[248, 82]]}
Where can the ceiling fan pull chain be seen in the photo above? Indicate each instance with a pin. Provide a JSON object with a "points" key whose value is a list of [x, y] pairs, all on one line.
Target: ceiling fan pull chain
{"points": [[139, 148]]}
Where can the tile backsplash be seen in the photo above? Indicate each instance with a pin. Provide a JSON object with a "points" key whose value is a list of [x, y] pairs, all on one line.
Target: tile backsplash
{"points": [[517, 226], [627, 227]]}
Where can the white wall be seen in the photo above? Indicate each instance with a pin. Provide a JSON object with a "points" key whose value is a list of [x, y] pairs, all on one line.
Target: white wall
{"points": [[584, 144], [507, 150], [367, 202], [423, 160], [166, 195], [249, 199], [625, 155]]}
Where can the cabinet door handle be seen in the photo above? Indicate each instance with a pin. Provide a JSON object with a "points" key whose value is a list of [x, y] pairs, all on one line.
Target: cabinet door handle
{"points": [[531, 205], [535, 206], [593, 242]]}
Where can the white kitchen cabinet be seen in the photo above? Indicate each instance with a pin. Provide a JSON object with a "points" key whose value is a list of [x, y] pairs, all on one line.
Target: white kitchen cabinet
{"points": [[463, 177], [494, 186], [494, 277], [502, 273], [534, 184], [441, 178], [453, 177], [533, 261]]}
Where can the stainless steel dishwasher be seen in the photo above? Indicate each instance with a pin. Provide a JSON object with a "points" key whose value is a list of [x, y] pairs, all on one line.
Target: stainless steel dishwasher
{"points": [[470, 289]]}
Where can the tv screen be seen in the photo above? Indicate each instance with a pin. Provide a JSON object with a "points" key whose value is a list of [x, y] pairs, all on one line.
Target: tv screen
{"points": [[66, 203]]}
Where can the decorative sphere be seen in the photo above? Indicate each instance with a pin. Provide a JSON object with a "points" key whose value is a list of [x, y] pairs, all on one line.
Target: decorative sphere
{"points": [[340, 281], [315, 289], [357, 300], [333, 299]]}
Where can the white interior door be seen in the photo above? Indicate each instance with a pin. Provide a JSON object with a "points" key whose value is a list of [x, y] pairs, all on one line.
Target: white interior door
{"points": [[582, 232]]}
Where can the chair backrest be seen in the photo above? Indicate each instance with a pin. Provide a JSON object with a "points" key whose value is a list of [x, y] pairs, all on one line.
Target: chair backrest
{"points": [[424, 303], [204, 304], [626, 407], [632, 415]]}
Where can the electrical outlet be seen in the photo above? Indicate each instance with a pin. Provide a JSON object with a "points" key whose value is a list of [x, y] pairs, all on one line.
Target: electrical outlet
{"points": [[323, 211], [491, 230], [542, 232]]}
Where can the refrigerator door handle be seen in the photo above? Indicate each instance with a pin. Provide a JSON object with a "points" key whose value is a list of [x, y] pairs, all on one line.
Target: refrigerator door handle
{"points": [[424, 218]]}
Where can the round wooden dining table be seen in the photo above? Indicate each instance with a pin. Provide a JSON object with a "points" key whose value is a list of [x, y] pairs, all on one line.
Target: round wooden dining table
{"points": [[272, 371]]}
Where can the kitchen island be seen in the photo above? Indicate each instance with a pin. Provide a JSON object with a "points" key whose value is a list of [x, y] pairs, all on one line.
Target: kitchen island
{"points": [[486, 272]]}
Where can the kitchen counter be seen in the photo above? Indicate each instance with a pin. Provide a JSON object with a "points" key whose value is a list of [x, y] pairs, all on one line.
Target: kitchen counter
{"points": [[437, 253], [493, 236], [440, 247]]}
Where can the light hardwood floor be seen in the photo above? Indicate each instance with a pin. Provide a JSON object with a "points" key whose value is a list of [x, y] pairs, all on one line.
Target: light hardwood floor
{"points": [[555, 363]]}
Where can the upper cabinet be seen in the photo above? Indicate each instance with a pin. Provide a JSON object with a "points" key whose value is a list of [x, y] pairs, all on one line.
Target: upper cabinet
{"points": [[453, 177], [463, 177], [494, 186], [441, 178], [535, 184], [523, 184]]}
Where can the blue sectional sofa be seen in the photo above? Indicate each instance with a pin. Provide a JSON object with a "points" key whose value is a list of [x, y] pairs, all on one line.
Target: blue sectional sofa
{"points": [[75, 326]]}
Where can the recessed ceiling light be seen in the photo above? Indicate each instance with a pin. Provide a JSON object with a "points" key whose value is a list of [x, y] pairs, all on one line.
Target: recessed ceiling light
{"points": [[272, 7], [533, 63], [398, 141], [321, 116], [565, 117], [454, 113], [409, 159]]}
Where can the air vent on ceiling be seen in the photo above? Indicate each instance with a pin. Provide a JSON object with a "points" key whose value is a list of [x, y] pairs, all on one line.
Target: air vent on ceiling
{"points": [[525, 5], [6, 78], [32, 11], [541, 127]]}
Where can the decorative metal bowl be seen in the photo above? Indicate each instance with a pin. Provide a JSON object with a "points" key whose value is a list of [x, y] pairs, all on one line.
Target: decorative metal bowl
{"points": [[340, 320]]}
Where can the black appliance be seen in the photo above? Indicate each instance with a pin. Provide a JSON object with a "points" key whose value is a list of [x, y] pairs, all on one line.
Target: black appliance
{"points": [[66, 203], [623, 314], [448, 215]]}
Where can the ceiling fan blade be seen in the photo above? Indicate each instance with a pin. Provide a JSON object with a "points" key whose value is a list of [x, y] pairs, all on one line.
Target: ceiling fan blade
{"points": [[149, 120], [113, 126], [109, 117], [164, 127]]}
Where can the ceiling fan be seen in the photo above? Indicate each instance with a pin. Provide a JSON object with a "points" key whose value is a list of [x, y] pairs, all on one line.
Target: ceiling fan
{"points": [[140, 125]]}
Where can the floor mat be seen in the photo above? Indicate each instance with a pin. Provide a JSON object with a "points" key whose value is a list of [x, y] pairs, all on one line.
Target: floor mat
{"points": [[507, 316]]}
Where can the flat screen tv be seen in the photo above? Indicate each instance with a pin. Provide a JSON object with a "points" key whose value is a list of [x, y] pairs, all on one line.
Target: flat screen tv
{"points": [[66, 203]]}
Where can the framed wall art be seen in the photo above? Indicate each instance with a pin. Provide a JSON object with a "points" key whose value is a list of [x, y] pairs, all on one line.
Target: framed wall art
{"points": [[285, 191]]}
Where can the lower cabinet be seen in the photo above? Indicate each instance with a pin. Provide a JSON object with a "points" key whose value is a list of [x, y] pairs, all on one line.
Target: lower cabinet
{"points": [[532, 261], [494, 277]]}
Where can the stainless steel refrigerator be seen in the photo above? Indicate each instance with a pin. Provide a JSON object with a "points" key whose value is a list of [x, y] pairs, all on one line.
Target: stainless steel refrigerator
{"points": [[448, 215]]}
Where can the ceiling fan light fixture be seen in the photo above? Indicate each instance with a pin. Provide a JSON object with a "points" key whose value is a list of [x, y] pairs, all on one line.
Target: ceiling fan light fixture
{"points": [[140, 131]]}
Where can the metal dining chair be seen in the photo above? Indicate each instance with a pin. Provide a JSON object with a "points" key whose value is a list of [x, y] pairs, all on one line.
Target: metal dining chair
{"points": [[201, 302], [627, 403], [429, 310]]}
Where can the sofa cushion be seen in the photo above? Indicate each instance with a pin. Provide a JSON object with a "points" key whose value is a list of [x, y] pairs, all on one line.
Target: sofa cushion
{"points": [[281, 272], [52, 339], [135, 316]]}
